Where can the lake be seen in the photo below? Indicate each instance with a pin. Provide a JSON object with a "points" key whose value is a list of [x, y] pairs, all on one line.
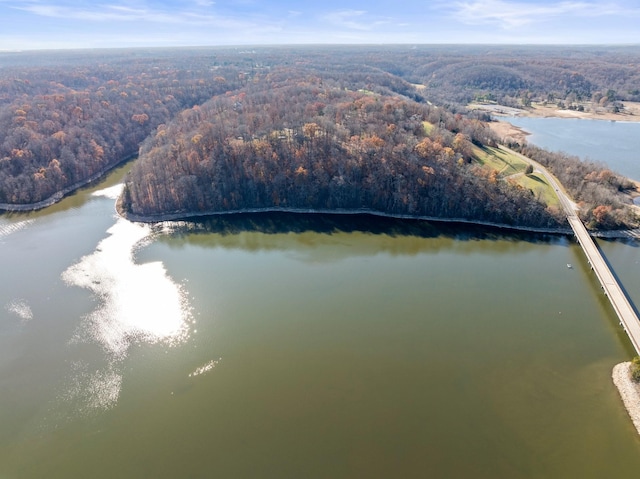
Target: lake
{"points": [[287, 347], [614, 143]]}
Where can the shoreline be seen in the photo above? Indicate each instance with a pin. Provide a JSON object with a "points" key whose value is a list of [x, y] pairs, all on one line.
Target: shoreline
{"points": [[506, 131], [59, 195], [511, 133], [617, 234], [305, 211], [630, 113], [629, 391]]}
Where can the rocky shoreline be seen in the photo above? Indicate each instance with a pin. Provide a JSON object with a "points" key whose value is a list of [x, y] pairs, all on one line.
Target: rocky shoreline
{"points": [[629, 391]]}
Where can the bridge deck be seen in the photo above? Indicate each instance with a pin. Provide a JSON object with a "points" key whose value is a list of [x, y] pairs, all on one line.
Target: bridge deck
{"points": [[618, 299], [613, 290]]}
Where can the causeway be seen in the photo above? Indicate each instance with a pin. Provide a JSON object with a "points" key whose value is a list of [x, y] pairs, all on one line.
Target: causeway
{"points": [[610, 285]]}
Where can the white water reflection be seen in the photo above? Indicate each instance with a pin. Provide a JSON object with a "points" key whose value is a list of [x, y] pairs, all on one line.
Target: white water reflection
{"points": [[98, 389], [20, 308], [113, 192], [135, 303], [205, 368], [9, 228]]}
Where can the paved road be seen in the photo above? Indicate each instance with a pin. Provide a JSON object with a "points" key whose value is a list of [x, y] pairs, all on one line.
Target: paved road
{"points": [[621, 304]]}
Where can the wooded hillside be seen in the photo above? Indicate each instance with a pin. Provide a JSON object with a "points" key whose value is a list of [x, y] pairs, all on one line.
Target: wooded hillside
{"points": [[61, 126], [68, 117], [305, 142]]}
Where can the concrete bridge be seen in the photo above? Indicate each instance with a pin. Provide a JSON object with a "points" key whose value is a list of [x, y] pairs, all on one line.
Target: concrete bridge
{"points": [[610, 285], [621, 304]]}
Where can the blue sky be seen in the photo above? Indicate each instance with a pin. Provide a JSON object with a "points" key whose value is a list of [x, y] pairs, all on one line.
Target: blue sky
{"points": [[36, 24]]}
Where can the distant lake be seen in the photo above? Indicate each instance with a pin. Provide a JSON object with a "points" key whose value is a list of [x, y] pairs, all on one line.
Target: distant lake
{"points": [[273, 346], [615, 143]]}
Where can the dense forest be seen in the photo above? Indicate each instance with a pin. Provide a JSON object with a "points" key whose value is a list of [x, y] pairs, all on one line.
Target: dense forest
{"points": [[518, 76], [61, 126], [303, 142], [389, 125]]}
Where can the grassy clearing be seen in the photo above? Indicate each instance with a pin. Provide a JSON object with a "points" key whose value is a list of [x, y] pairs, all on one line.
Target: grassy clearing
{"points": [[512, 168], [505, 163], [541, 189]]}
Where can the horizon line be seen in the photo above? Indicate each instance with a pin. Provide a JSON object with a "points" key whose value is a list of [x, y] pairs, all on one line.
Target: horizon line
{"points": [[318, 44]]}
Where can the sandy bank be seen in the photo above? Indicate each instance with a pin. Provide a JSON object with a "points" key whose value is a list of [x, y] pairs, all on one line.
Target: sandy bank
{"points": [[629, 391], [630, 112], [507, 132]]}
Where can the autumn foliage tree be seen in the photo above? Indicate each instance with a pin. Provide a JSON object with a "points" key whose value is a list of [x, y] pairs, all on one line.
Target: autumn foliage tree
{"points": [[56, 136], [335, 126], [264, 148]]}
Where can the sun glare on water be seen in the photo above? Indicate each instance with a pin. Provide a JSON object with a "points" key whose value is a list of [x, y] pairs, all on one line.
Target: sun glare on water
{"points": [[135, 302]]}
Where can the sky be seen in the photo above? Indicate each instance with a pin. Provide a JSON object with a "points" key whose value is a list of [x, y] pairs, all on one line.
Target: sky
{"points": [[58, 24]]}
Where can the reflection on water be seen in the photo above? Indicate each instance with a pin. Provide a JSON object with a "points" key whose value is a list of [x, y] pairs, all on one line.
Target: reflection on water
{"points": [[93, 389], [8, 228], [369, 348], [135, 303], [286, 222], [111, 192], [205, 368], [20, 308], [322, 237]]}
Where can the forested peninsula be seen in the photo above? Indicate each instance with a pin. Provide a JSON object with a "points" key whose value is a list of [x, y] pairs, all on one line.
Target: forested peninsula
{"points": [[303, 142], [383, 130]]}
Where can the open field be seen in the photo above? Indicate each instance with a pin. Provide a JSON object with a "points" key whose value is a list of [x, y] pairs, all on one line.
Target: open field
{"points": [[512, 168], [500, 161], [541, 189]]}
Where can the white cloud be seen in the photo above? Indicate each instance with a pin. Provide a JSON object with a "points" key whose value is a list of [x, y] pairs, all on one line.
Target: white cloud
{"points": [[101, 13], [353, 19], [146, 22], [509, 14], [125, 13]]}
